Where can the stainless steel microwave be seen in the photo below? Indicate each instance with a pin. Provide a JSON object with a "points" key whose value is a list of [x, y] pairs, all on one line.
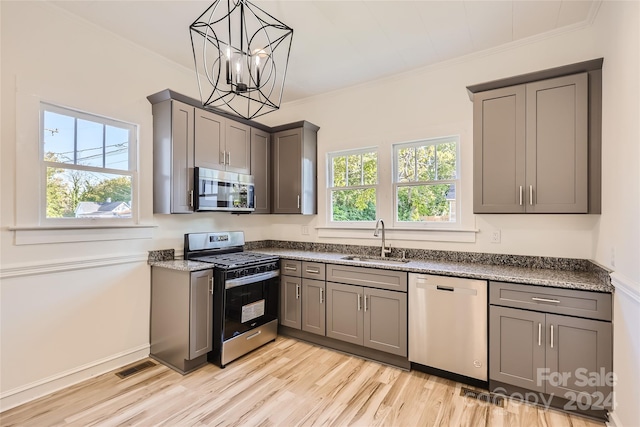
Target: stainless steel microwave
{"points": [[223, 191]]}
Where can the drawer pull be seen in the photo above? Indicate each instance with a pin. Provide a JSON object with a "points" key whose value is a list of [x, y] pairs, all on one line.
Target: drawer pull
{"points": [[555, 301], [286, 267], [312, 270]]}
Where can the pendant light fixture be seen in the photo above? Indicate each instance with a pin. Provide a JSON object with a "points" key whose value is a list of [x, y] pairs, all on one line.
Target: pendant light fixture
{"points": [[241, 54]]}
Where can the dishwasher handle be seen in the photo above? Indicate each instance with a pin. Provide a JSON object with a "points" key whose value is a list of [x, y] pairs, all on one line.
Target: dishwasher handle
{"points": [[445, 288]]}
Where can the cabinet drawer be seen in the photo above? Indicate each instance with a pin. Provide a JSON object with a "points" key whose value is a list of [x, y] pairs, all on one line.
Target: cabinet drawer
{"points": [[313, 270], [370, 277], [570, 302], [290, 267]]}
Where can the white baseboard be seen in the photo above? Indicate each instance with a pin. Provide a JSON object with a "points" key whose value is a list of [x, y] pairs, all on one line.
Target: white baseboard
{"points": [[614, 421], [23, 394]]}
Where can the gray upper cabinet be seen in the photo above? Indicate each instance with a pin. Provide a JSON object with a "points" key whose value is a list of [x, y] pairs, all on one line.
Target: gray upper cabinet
{"points": [[173, 142], [261, 169], [220, 143], [294, 151], [537, 144]]}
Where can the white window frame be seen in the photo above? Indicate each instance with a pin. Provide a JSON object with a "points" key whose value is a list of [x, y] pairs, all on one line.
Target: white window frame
{"points": [[435, 225], [331, 188], [131, 171]]}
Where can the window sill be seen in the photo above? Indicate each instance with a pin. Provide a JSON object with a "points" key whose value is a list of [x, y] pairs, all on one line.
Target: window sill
{"points": [[417, 234], [34, 235]]}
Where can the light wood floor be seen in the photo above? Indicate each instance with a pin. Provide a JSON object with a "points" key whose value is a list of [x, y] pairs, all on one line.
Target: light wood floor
{"points": [[285, 383]]}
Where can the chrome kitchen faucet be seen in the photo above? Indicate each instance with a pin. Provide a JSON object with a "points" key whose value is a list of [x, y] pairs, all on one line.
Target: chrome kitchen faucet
{"points": [[384, 250]]}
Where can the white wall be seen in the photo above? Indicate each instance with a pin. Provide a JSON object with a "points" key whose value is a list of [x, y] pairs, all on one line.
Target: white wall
{"points": [[66, 60]]}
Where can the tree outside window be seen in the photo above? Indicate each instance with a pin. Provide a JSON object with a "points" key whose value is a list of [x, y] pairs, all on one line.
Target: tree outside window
{"points": [[425, 181], [353, 179], [89, 164]]}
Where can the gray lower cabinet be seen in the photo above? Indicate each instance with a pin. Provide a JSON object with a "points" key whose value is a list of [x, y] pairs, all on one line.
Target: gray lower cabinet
{"points": [[566, 356], [374, 318], [302, 300], [294, 156], [532, 149], [290, 302], [181, 317], [313, 306]]}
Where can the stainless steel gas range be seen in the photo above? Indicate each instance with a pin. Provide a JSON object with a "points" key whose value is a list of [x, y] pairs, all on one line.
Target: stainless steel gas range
{"points": [[245, 293]]}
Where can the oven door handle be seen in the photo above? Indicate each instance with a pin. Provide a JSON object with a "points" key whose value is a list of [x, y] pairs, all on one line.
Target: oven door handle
{"points": [[251, 279]]}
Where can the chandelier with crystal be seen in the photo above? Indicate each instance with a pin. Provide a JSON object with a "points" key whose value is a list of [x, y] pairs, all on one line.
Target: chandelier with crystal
{"points": [[241, 54]]}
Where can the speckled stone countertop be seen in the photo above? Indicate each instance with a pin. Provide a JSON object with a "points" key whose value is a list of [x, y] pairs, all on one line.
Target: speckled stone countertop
{"points": [[181, 265], [583, 279]]}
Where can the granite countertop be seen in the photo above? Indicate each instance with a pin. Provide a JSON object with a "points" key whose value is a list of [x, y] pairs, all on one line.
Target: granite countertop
{"points": [[570, 279], [181, 265]]}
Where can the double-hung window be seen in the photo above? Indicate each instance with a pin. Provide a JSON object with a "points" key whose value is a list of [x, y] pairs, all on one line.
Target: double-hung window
{"points": [[89, 165], [353, 182], [426, 182]]}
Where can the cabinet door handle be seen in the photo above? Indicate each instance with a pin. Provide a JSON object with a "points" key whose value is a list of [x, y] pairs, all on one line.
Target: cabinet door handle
{"points": [[521, 195], [321, 296], [191, 198], [539, 334], [224, 157], [313, 271], [297, 291], [298, 201], [365, 303], [531, 195], [228, 157], [359, 302], [555, 301], [551, 336]]}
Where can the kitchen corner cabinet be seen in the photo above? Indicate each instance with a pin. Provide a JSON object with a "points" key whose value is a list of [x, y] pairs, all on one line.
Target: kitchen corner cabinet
{"points": [[294, 151], [261, 170], [173, 157], [181, 317], [524, 344], [302, 296], [220, 143], [537, 146]]}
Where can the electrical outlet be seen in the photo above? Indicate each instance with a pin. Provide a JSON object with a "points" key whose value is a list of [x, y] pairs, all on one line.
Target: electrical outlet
{"points": [[305, 230], [495, 236]]}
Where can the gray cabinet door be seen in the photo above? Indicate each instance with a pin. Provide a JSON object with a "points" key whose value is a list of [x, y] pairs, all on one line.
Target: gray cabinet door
{"points": [[209, 140], [581, 351], [499, 150], [313, 306], [200, 313], [290, 302], [238, 147], [261, 170], [345, 319], [287, 171], [557, 145], [517, 347], [385, 321]]}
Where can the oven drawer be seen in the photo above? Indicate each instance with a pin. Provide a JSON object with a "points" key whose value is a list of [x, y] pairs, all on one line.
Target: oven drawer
{"points": [[313, 270], [290, 267]]}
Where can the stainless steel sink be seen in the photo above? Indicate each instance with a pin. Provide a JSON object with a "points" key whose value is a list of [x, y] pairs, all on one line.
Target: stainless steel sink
{"points": [[376, 260]]}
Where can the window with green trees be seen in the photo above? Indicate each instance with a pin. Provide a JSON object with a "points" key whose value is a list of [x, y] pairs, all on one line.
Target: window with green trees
{"points": [[425, 181], [89, 164], [353, 179]]}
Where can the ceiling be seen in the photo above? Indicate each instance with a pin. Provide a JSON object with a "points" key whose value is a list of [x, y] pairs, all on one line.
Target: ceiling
{"points": [[337, 44]]}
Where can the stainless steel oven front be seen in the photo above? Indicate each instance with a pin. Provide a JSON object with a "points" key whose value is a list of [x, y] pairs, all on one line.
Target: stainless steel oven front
{"points": [[245, 310]]}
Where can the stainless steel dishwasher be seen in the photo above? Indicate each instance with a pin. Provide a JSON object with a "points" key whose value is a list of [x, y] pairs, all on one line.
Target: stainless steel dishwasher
{"points": [[448, 324]]}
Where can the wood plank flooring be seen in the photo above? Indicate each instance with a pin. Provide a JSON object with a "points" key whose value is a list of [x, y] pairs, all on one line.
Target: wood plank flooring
{"points": [[285, 383]]}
